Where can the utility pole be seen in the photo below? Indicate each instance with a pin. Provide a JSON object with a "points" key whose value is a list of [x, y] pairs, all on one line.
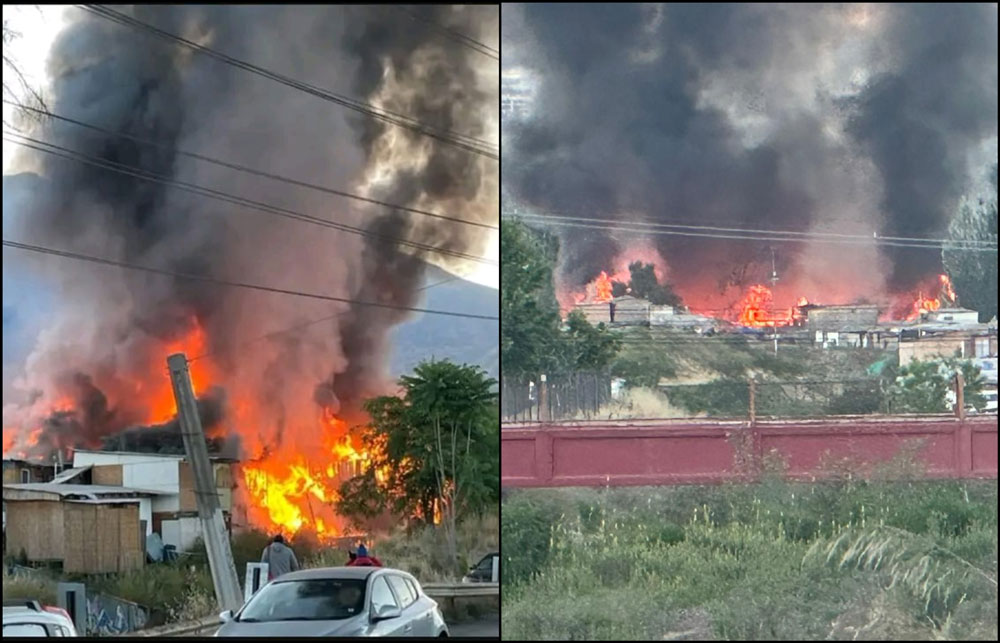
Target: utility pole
{"points": [[213, 527], [774, 282]]}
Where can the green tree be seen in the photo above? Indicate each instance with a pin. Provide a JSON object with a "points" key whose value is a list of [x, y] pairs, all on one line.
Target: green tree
{"points": [[437, 447], [924, 386], [644, 285], [529, 315], [974, 274], [532, 338], [589, 347]]}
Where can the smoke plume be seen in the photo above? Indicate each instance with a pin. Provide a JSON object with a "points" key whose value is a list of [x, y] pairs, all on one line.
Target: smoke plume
{"points": [[834, 118], [100, 358]]}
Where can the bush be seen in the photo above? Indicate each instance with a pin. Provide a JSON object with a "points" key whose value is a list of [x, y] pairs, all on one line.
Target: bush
{"points": [[730, 561]]}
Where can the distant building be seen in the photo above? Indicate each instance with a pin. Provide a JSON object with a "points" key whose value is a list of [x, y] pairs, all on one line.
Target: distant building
{"points": [[848, 325], [952, 332], [516, 95]]}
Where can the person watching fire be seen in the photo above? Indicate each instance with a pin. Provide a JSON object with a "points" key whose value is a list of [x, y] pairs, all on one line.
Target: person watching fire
{"points": [[279, 557], [363, 559]]}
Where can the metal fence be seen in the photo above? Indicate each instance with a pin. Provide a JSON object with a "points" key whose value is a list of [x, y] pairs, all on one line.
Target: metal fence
{"points": [[567, 396]]}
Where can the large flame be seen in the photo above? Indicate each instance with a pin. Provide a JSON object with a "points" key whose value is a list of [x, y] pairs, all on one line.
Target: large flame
{"points": [[603, 288], [922, 305]]}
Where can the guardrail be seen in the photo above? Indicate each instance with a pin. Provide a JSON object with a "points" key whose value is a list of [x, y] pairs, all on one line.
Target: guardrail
{"points": [[446, 591]]}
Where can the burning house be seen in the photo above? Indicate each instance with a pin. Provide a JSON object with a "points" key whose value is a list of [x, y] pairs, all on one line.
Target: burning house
{"points": [[851, 325], [280, 379]]}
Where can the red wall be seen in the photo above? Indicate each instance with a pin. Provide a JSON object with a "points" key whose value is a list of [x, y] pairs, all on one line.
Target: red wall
{"points": [[656, 452]]}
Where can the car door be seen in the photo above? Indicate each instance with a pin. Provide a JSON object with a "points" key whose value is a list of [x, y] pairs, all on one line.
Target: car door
{"points": [[381, 595], [412, 611]]}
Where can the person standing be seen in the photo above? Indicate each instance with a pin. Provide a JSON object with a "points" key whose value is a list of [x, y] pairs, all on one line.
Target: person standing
{"points": [[279, 557]]}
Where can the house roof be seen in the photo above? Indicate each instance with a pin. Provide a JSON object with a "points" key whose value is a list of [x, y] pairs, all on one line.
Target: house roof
{"points": [[68, 491], [70, 474], [165, 456]]}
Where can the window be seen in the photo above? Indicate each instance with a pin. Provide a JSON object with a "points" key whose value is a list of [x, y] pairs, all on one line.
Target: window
{"points": [[24, 629], [381, 595], [403, 591], [982, 347], [307, 600], [25, 476], [413, 587]]}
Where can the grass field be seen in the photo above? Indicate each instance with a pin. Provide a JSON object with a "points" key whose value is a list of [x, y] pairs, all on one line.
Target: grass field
{"points": [[841, 560]]}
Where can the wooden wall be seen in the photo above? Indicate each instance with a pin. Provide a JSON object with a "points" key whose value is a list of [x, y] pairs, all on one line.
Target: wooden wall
{"points": [[102, 538], [37, 527]]}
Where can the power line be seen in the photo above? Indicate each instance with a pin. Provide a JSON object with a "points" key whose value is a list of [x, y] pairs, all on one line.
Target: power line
{"points": [[482, 48], [463, 141], [235, 284], [249, 170], [290, 329], [951, 245], [651, 224], [219, 195]]}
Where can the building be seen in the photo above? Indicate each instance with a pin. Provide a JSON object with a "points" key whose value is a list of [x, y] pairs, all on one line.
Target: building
{"points": [[950, 333], [633, 311], [516, 95], [90, 529], [174, 511], [24, 471], [848, 325]]}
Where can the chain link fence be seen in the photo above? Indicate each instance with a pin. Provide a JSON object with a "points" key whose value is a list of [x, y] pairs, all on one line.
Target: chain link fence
{"points": [[579, 395]]}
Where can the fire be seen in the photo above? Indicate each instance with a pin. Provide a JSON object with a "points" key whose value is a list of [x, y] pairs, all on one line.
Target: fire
{"points": [[922, 304], [604, 288], [292, 492]]}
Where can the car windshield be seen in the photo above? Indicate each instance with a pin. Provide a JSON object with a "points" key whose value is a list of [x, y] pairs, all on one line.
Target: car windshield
{"points": [[306, 600]]}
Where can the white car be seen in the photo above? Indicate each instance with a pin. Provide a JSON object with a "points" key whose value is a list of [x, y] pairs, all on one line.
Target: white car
{"points": [[338, 601], [31, 618]]}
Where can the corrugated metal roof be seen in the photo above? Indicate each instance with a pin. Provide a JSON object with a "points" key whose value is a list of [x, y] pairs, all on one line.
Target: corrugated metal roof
{"points": [[69, 474], [86, 490]]}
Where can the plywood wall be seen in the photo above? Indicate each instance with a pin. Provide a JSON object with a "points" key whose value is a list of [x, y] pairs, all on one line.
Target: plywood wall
{"points": [[102, 538], [36, 526], [107, 474]]}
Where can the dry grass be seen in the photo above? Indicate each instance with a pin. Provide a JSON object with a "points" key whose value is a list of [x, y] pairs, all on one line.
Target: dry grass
{"points": [[639, 403]]}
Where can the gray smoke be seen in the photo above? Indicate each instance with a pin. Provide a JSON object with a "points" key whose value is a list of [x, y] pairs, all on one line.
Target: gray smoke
{"points": [[111, 326], [839, 118]]}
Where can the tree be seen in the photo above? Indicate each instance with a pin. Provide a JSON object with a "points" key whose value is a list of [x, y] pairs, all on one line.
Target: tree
{"points": [[16, 88], [590, 348], [532, 340], [974, 274], [923, 387], [436, 449], [529, 316], [644, 285]]}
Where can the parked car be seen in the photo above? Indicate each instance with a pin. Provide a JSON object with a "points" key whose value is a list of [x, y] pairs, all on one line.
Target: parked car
{"points": [[338, 601], [31, 618], [482, 572]]}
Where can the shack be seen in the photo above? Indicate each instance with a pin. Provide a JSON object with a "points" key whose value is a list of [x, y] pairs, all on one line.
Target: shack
{"points": [[89, 529]]}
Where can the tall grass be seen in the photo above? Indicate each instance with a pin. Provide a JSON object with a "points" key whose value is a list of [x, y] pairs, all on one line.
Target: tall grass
{"points": [[773, 560]]}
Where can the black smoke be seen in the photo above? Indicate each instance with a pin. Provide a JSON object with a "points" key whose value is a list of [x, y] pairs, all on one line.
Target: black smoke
{"points": [[111, 324], [841, 118]]}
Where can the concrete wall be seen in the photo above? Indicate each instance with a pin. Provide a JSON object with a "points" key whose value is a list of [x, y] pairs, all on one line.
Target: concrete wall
{"points": [[927, 348], [181, 532], [698, 452]]}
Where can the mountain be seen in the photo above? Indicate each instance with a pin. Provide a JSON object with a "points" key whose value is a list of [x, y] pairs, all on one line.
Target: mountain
{"points": [[462, 340]]}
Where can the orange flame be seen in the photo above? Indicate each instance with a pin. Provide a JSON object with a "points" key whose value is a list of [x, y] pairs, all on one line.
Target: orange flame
{"points": [[922, 305], [604, 288]]}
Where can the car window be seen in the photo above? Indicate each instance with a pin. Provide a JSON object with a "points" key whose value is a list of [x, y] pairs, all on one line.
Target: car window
{"points": [[413, 587], [24, 629], [403, 591], [381, 595], [306, 600], [486, 565]]}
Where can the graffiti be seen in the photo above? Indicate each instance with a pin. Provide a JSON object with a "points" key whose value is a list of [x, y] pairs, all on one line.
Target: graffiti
{"points": [[110, 616]]}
